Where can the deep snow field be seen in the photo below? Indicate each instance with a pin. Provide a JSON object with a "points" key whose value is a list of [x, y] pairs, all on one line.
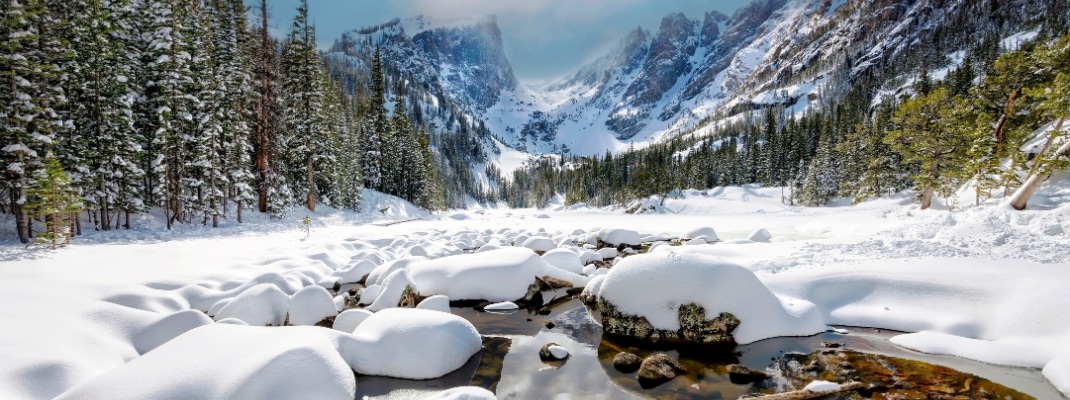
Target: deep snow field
{"points": [[108, 317]]}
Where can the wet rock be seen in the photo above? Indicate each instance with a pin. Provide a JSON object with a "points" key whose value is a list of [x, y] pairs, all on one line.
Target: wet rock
{"points": [[694, 327], [550, 325], [550, 283], [657, 369], [740, 375], [831, 345], [552, 352], [626, 362]]}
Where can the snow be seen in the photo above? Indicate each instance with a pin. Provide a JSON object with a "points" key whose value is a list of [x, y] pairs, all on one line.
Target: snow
{"points": [[703, 231], [822, 387], [167, 328], [654, 286], [222, 361], [565, 259], [558, 352], [107, 312], [616, 236], [263, 304], [502, 306], [437, 303], [348, 320], [497, 275], [410, 343], [463, 393], [310, 305]]}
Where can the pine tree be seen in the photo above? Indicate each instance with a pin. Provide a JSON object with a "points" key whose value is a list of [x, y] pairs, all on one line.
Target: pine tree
{"points": [[375, 125], [102, 152], [53, 198], [304, 114], [924, 134], [29, 101]]}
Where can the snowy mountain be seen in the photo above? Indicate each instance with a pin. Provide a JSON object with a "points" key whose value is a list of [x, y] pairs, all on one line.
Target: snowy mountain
{"points": [[689, 73]]}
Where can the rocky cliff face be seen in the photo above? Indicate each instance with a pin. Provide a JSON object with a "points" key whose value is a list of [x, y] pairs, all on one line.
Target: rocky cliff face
{"points": [[689, 72]]}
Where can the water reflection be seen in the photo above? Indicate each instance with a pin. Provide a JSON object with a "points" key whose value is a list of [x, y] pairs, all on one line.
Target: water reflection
{"points": [[509, 365]]}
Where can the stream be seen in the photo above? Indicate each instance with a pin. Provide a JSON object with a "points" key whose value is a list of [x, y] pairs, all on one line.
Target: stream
{"points": [[510, 366]]}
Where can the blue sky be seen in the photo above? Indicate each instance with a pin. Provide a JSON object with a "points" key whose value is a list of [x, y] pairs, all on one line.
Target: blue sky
{"points": [[544, 39]]}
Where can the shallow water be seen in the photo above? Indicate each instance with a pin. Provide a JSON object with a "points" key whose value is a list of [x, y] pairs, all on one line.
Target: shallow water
{"points": [[510, 364]]}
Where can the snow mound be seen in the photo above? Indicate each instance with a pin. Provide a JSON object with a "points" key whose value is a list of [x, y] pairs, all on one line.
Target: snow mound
{"points": [[437, 303], [618, 237], [311, 305], [703, 231], [502, 306], [348, 320], [222, 361], [168, 328], [760, 235], [564, 259], [463, 393], [1003, 352], [391, 291], [355, 272], [539, 243], [263, 304], [410, 343], [822, 387], [654, 286], [498, 275]]}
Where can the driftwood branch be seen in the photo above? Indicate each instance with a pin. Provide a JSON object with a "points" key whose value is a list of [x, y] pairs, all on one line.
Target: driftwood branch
{"points": [[808, 395]]}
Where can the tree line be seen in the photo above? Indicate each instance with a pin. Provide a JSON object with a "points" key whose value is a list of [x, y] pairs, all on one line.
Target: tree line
{"points": [[975, 125], [187, 106]]}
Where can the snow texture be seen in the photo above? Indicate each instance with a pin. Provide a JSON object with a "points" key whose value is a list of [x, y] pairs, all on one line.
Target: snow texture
{"points": [[310, 305]]}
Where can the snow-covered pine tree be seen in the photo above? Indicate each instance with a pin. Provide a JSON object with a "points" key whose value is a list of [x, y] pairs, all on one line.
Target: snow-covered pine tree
{"points": [[304, 114], [235, 82], [346, 185], [273, 191], [922, 136], [170, 101], [202, 178], [376, 123], [102, 153], [32, 92]]}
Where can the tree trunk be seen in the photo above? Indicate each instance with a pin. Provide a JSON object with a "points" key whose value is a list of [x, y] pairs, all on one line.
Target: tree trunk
{"points": [[1001, 126], [311, 200], [22, 221], [262, 141], [1020, 199], [926, 198]]}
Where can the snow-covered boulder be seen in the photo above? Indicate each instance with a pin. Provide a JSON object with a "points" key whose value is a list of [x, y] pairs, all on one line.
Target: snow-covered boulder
{"points": [[760, 235], [437, 302], [311, 305], [463, 393], [703, 231], [356, 272], [617, 237], [564, 259], [502, 306], [700, 299], [397, 290], [410, 343], [222, 361], [590, 292], [696, 242], [607, 253], [260, 305], [168, 328], [348, 320], [539, 243], [368, 294], [499, 275]]}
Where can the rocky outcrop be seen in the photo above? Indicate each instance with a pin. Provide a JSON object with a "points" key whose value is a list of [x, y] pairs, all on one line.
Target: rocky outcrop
{"points": [[694, 327]]}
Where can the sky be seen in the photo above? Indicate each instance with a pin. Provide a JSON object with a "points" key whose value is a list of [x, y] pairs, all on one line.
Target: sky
{"points": [[544, 39]]}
